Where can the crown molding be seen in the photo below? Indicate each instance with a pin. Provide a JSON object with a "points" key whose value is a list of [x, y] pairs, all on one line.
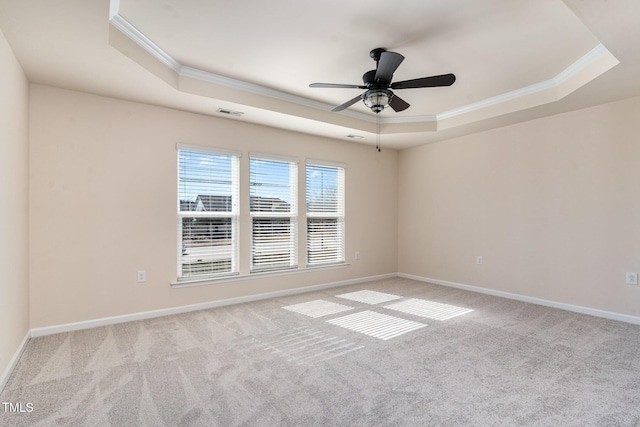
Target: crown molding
{"points": [[114, 8], [586, 60], [538, 93], [143, 41], [496, 100], [130, 31], [597, 53], [257, 89]]}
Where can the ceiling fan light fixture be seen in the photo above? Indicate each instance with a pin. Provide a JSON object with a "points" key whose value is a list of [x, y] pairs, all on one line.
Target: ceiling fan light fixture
{"points": [[377, 99], [378, 84]]}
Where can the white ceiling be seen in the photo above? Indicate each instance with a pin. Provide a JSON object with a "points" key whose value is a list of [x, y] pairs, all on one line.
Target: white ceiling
{"points": [[514, 60]]}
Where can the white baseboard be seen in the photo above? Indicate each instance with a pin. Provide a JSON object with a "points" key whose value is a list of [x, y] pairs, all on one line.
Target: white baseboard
{"points": [[539, 301], [14, 361], [105, 321], [69, 327]]}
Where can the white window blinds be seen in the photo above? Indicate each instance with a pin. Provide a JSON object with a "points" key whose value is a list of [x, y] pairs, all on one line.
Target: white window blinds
{"points": [[273, 207], [325, 213], [208, 193]]}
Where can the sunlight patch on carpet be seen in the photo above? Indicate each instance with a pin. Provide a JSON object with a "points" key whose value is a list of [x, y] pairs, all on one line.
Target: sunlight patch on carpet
{"points": [[317, 308], [376, 325], [428, 309], [308, 346], [369, 297]]}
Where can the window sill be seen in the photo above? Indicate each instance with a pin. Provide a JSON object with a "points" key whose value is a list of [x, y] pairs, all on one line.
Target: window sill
{"points": [[234, 278]]}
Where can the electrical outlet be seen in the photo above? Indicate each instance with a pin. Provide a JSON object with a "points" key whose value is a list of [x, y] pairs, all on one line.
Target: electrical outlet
{"points": [[632, 278], [479, 259], [142, 276]]}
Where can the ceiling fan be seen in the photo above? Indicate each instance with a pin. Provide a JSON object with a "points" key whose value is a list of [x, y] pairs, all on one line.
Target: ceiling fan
{"points": [[378, 83]]}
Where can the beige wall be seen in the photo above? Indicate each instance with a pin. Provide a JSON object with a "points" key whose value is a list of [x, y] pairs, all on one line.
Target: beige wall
{"points": [[103, 200], [553, 206], [14, 207], [550, 204]]}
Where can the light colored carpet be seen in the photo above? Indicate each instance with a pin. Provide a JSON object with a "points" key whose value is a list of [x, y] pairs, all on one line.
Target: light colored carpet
{"points": [[436, 357]]}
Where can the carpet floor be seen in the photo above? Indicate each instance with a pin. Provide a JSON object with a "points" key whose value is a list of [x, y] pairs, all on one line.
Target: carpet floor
{"points": [[393, 352]]}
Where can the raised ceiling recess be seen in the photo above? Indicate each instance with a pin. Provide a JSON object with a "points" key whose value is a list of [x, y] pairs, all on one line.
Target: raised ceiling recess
{"points": [[261, 56]]}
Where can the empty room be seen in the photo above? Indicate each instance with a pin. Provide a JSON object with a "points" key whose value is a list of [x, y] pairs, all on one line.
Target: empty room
{"points": [[321, 213]]}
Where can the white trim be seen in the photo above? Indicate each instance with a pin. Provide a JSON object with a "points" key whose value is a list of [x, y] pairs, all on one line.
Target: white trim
{"points": [[148, 45], [256, 89], [4, 379], [532, 300], [273, 157], [499, 99], [106, 321], [114, 8], [217, 79], [143, 41], [582, 63], [573, 69], [429, 118], [207, 149], [130, 31], [326, 163], [186, 283]]}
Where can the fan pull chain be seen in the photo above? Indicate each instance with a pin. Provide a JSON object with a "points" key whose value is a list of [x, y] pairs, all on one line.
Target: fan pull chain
{"points": [[378, 139]]}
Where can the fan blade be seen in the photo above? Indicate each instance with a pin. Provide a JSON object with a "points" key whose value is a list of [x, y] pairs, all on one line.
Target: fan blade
{"points": [[348, 103], [337, 85], [388, 64], [398, 104], [433, 81]]}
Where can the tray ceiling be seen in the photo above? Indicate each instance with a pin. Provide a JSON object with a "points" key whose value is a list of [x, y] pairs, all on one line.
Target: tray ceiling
{"points": [[513, 61]]}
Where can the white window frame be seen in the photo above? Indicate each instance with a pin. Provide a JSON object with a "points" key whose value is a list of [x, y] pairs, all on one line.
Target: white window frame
{"points": [[334, 252], [291, 215], [233, 215]]}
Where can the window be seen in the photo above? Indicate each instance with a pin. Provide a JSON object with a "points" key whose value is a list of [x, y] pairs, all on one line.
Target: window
{"points": [[273, 207], [325, 213], [207, 212]]}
